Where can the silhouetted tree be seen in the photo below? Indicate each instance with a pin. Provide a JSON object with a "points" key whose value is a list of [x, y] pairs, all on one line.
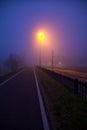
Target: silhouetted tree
{"points": [[13, 62], [0, 69]]}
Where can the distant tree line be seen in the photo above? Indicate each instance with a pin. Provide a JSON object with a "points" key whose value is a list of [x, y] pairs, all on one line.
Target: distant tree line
{"points": [[14, 62]]}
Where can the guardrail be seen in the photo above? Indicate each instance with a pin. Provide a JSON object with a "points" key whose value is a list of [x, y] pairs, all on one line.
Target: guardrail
{"points": [[75, 85]]}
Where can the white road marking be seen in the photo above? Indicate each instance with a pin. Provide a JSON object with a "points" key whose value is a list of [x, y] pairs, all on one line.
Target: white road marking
{"points": [[10, 78], [42, 108]]}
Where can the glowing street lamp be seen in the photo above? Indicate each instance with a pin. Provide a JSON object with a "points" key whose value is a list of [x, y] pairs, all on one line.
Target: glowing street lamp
{"points": [[41, 38]]}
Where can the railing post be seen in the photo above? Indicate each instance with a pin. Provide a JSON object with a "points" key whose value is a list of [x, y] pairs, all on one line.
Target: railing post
{"points": [[76, 86], [82, 90], [85, 90]]}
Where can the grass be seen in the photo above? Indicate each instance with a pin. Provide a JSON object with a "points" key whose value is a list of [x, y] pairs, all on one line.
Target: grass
{"points": [[69, 111], [8, 75]]}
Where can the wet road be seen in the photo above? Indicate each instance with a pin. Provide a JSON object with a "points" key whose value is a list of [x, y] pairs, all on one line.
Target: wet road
{"points": [[19, 104]]}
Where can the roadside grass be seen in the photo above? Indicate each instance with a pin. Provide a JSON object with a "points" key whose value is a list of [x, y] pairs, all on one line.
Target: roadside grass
{"points": [[69, 111], [8, 75]]}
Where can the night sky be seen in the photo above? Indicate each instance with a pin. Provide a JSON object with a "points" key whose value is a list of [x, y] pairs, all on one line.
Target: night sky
{"points": [[65, 22]]}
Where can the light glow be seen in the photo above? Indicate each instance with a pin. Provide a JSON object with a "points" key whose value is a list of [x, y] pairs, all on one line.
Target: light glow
{"points": [[41, 36]]}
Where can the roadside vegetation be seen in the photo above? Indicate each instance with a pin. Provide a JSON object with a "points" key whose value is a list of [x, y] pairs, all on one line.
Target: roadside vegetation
{"points": [[13, 64], [69, 112], [8, 75]]}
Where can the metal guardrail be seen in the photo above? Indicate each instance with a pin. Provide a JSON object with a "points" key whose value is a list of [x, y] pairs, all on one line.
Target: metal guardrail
{"points": [[75, 85]]}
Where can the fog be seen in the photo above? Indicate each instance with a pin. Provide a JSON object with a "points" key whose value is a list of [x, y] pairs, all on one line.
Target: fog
{"points": [[65, 22]]}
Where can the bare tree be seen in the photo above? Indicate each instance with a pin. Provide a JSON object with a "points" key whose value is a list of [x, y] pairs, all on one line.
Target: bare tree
{"points": [[13, 62]]}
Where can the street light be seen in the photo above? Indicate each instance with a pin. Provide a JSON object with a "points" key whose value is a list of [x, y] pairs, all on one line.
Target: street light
{"points": [[41, 38]]}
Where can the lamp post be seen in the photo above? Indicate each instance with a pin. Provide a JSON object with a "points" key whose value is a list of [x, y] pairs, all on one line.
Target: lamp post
{"points": [[41, 38]]}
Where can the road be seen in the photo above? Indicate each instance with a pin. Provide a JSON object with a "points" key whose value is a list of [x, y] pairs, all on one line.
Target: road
{"points": [[19, 104]]}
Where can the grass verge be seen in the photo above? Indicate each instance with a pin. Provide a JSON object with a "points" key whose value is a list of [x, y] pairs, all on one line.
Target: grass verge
{"points": [[69, 112], [8, 75]]}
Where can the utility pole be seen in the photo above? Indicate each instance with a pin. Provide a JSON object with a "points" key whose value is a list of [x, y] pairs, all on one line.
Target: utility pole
{"points": [[40, 57], [52, 60]]}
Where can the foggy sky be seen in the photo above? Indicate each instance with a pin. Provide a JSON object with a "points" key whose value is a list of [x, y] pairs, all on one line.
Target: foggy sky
{"points": [[67, 19]]}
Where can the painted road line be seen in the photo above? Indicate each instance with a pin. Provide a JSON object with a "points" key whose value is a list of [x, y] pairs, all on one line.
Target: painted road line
{"points": [[11, 78], [42, 108]]}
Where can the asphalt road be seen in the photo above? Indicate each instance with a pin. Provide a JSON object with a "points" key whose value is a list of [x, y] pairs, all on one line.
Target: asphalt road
{"points": [[19, 104]]}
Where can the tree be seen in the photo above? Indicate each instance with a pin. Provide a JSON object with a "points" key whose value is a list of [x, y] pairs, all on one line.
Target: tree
{"points": [[13, 62]]}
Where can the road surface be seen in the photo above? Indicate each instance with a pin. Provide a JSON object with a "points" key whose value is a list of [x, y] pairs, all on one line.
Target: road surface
{"points": [[19, 104]]}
